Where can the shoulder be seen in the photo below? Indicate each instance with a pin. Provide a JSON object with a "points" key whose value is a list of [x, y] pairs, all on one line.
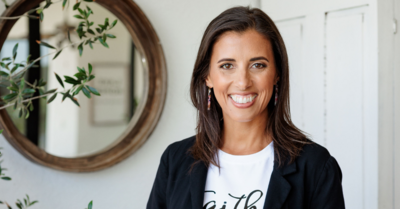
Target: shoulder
{"points": [[178, 151], [313, 153], [315, 160]]}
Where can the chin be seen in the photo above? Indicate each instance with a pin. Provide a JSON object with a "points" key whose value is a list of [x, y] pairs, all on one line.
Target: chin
{"points": [[242, 119]]}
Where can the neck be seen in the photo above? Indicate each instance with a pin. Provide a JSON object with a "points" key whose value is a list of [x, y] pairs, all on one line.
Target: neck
{"points": [[243, 138]]}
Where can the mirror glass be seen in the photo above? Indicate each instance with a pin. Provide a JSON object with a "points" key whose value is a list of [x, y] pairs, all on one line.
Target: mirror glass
{"points": [[61, 128]]}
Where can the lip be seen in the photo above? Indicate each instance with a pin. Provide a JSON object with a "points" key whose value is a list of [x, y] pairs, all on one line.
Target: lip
{"points": [[242, 105]]}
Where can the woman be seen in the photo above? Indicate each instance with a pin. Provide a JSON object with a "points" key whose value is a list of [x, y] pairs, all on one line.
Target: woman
{"points": [[246, 153]]}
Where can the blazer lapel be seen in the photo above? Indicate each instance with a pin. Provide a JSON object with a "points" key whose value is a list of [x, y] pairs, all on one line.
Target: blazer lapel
{"points": [[197, 185], [279, 187]]}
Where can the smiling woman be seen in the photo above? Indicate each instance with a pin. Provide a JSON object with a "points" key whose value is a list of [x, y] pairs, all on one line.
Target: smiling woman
{"points": [[246, 153]]}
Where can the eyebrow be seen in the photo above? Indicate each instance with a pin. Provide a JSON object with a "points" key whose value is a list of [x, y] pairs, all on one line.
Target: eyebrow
{"points": [[252, 59]]}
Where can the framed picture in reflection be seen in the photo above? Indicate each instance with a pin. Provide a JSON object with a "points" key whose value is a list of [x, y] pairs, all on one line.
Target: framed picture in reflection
{"points": [[112, 82]]}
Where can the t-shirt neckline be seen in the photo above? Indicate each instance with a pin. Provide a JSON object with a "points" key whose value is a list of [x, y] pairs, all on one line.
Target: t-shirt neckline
{"points": [[255, 157]]}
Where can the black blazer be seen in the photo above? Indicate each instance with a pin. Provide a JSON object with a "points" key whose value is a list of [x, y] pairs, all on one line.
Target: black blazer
{"points": [[314, 180]]}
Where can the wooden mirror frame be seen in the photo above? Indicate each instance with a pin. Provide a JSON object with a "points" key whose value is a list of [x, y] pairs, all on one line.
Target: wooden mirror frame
{"points": [[148, 112]]}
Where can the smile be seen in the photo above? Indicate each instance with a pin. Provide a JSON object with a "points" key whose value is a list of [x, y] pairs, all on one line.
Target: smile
{"points": [[243, 99]]}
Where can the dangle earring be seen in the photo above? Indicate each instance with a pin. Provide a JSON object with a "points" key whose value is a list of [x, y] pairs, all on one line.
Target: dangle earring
{"points": [[276, 94], [209, 98]]}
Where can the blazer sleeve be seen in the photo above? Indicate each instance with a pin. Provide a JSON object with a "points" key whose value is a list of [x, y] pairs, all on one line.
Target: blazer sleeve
{"points": [[329, 193], [157, 199]]}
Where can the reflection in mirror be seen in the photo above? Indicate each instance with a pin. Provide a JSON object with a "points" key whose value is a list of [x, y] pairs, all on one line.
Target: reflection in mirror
{"points": [[62, 128]]}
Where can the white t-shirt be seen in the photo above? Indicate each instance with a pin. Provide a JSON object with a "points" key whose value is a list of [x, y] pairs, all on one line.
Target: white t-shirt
{"points": [[243, 180]]}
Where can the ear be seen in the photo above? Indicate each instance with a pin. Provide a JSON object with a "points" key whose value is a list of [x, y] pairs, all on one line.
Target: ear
{"points": [[208, 82]]}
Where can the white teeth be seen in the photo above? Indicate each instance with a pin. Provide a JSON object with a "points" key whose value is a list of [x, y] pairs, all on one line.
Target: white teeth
{"points": [[243, 99]]}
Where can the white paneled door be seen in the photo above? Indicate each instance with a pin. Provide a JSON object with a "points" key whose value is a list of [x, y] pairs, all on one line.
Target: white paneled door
{"points": [[333, 85]]}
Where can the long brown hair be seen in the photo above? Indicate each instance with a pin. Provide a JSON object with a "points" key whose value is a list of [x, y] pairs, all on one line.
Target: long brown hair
{"points": [[288, 139]]}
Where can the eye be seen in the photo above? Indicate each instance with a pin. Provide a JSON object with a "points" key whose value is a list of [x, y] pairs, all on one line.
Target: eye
{"points": [[226, 66], [259, 65]]}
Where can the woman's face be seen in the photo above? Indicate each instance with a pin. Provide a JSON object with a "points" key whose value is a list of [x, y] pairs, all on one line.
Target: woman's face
{"points": [[242, 74]]}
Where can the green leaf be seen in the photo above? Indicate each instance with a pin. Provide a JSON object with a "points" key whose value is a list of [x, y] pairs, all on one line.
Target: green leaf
{"points": [[71, 80], [80, 48], [104, 37], [52, 98], [28, 91], [91, 23], [69, 36], [113, 24], [15, 51], [6, 178], [58, 53], [80, 76], [46, 44], [41, 92], [47, 5], [91, 77], [27, 115], [1, 131], [90, 68], [64, 3], [81, 70], [51, 91], [90, 205], [93, 90], [41, 17], [39, 11], [33, 202], [14, 68], [86, 92], [59, 80], [14, 85], [89, 10], [22, 84], [15, 105], [91, 31], [78, 90], [106, 23], [12, 88], [81, 11], [10, 96], [111, 36], [2, 73], [75, 100], [65, 95], [103, 43], [31, 107], [6, 59], [76, 6], [90, 44], [99, 30], [78, 17]]}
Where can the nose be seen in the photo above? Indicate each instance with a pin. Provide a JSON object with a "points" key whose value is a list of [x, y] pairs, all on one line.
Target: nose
{"points": [[243, 79]]}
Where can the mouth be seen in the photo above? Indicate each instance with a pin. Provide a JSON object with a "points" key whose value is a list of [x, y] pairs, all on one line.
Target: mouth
{"points": [[243, 101]]}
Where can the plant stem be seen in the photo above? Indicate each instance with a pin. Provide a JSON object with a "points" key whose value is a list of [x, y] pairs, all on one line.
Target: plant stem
{"points": [[26, 100], [28, 12]]}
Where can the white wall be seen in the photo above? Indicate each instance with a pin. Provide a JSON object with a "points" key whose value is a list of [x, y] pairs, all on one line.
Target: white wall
{"points": [[179, 25]]}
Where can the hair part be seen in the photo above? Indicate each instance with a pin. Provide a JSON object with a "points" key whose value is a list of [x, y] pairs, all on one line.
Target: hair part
{"points": [[288, 139]]}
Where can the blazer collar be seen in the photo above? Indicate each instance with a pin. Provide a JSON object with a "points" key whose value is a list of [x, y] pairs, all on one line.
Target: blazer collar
{"points": [[279, 187], [277, 193]]}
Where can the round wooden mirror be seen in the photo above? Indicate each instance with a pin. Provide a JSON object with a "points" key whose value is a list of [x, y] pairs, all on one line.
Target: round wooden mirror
{"points": [[137, 127]]}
